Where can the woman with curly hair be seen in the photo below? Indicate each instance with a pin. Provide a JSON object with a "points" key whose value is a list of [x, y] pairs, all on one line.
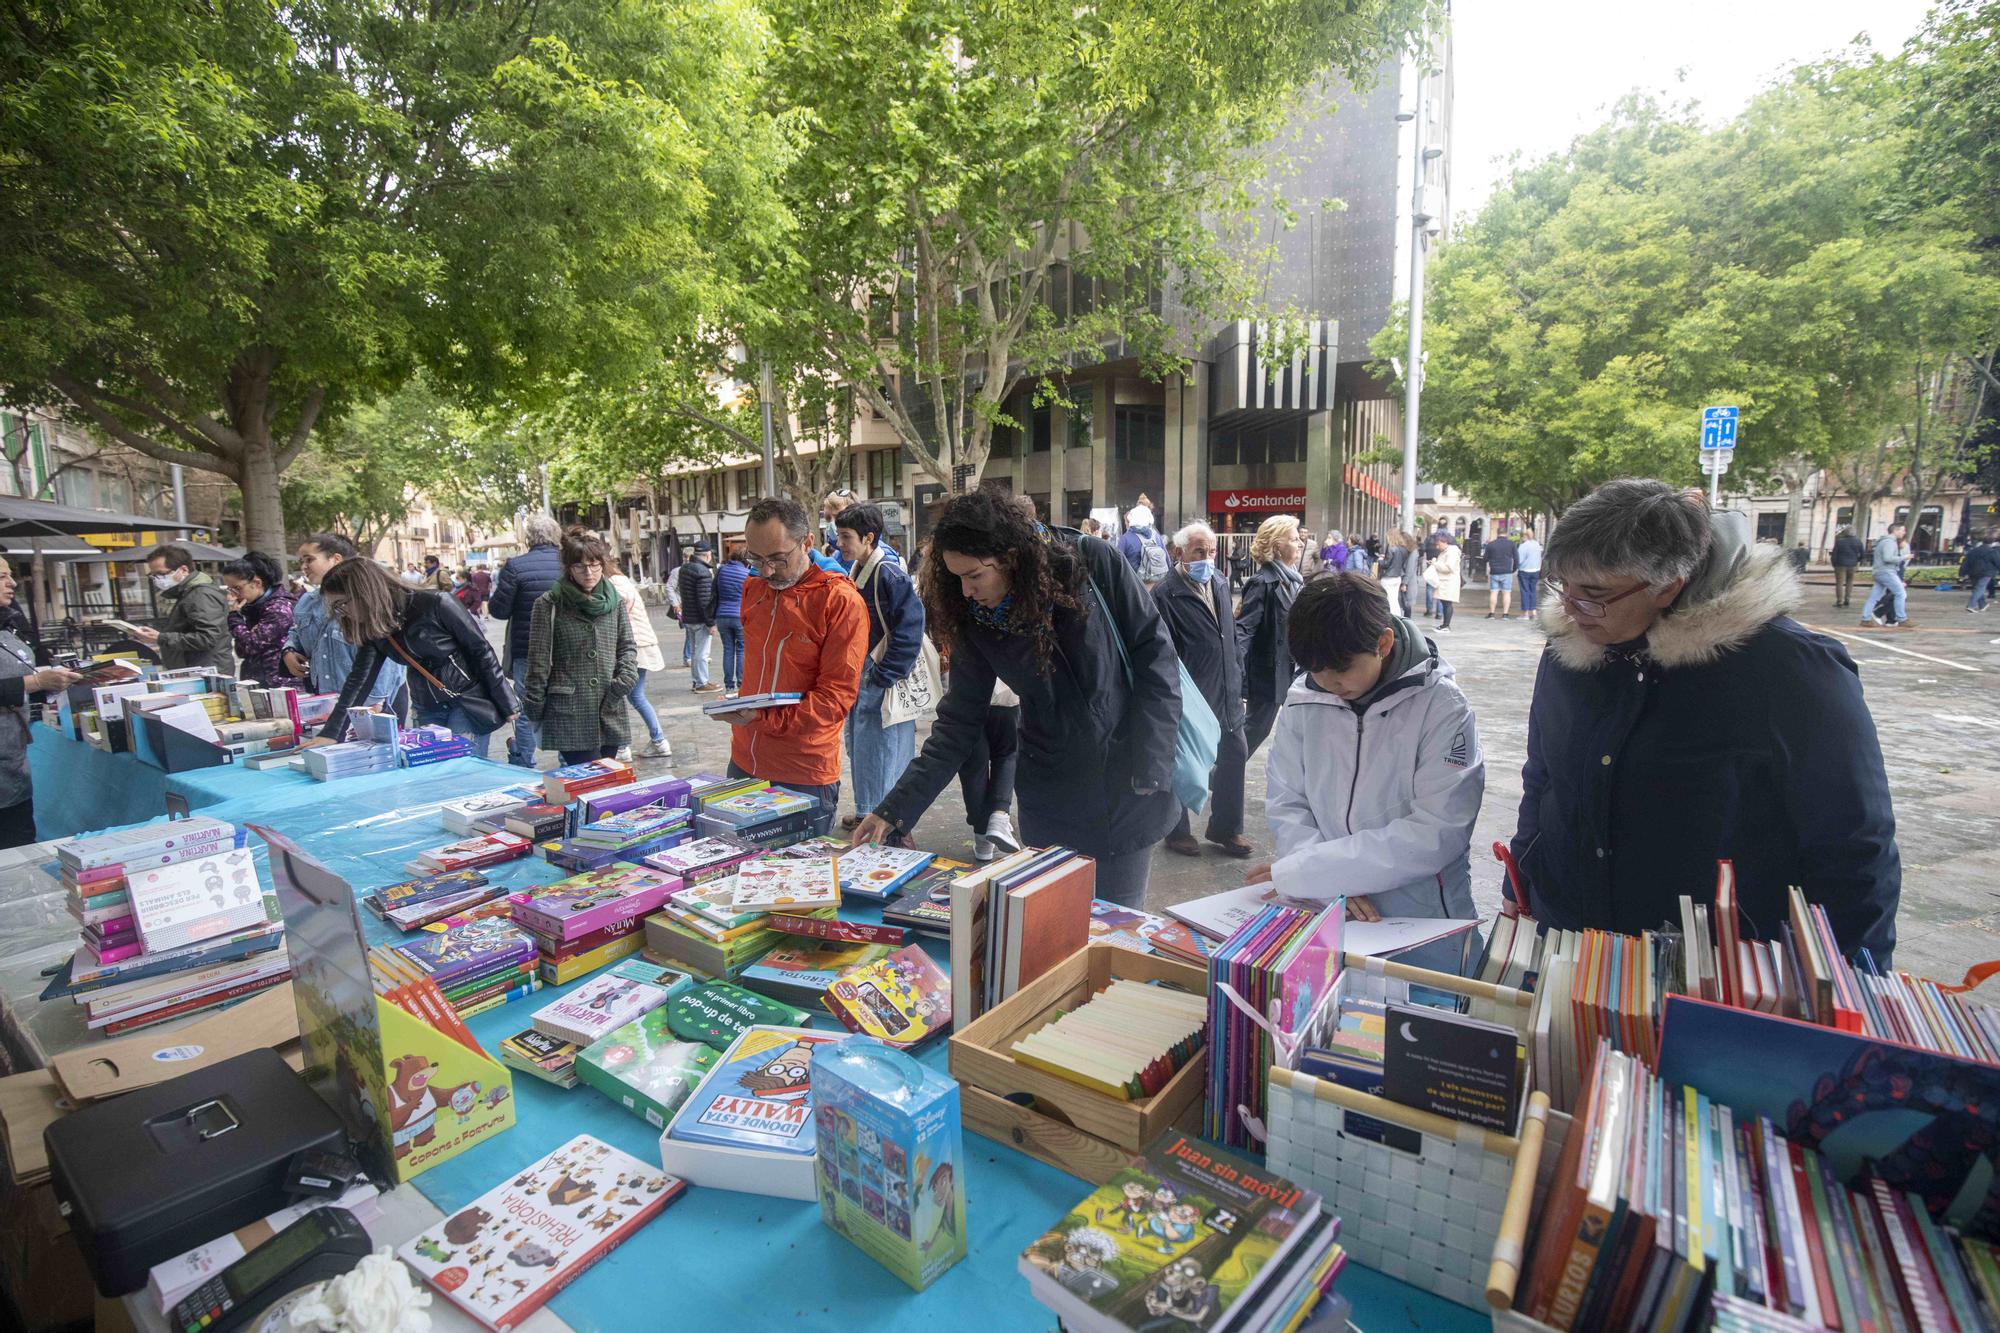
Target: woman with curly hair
{"points": [[1062, 619]]}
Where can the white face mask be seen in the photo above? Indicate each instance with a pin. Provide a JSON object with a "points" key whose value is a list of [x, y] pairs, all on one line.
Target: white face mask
{"points": [[166, 581]]}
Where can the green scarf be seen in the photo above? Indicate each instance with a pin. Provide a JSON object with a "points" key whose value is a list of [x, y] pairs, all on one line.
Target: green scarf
{"points": [[592, 604]]}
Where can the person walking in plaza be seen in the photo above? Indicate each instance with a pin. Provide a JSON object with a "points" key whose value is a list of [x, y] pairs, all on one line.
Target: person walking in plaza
{"points": [[1141, 545], [1065, 622], [1845, 558], [1376, 773], [1444, 575], [646, 654], [1891, 555], [435, 575], [1260, 625], [197, 630], [523, 579], [877, 753], [1427, 551], [455, 681], [729, 577], [316, 650], [19, 679], [805, 632], [260, 617], [582, 658], [698, 610], [1195, 604], [1398, 554], [1359, 559], [1502, 564], [1682, 717], [1528, 555], [1979, 568], [1333, 555]]}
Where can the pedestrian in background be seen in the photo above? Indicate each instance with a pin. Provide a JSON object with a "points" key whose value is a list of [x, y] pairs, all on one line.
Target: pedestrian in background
{"points": [[877, 753], [523, 580], [1194, 602], [260, 617], [1529, 556], [197, 630], [1397, 553], [19, 678], [582, 660], [1268, 595], [1333, 555], [1846, 558], [1427, 551], [1447, 570], [646, 653], [729, 577], [1358, 560], [1141, 545], [698, 610], [1891, 555], [1502, 564], [1979, 568]]}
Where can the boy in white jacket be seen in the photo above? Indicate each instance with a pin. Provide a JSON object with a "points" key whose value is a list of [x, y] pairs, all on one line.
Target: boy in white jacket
{"points": [[1375, 773]]}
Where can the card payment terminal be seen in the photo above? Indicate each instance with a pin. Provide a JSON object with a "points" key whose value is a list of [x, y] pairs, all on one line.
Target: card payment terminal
{"points": [[324, 1243]]}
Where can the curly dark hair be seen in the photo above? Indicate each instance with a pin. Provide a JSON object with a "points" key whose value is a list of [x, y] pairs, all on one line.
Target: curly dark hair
{"points": [[1047, 573]]}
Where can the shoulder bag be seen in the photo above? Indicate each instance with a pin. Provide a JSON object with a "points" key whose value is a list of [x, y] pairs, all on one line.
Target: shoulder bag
{"points": [[485, 716], [1199, 735], [915, 695]]}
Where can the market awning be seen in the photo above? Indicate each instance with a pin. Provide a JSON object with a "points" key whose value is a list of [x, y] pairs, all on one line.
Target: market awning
{"points": [[52, 548], [201, 551], [41, 518]]}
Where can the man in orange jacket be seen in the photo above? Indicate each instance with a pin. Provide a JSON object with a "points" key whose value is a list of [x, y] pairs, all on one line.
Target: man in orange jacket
{"points": [[805, 632]]}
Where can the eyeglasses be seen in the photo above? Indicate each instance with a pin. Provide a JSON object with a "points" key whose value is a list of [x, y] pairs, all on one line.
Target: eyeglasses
{"points": [[1586, 607], [776, 560]]}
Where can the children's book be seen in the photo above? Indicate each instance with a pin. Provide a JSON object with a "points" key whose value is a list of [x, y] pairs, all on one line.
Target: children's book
{"points": [[925, 903], [782, 885], [415, 916], [503, 1255], [701, 860], [464, 816], [717, 1013], [192, 901], [645, 1068], [903, 999], [744, 703], [876, 872], [422, 889], [758, 807], [1221, 915], [610, 1001], [1142, 932], [800, 973], [465, 951], [593, 900], [630, 827], [485, 849], [550, 1059], [560, 786], [749, 1125]]}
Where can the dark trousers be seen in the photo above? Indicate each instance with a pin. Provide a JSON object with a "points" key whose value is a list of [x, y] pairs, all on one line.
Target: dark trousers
{"points": [[829, 795], [1444, 613], [1843, 584], [585, 756], [986, 779], [17, 824], [1258, 720], [1225, 787]]}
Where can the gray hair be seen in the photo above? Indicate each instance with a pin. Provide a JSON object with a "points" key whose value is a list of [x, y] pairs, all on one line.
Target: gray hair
{"points": [[1635, 528], [540, 530], [787, 511], [1191, 531], [1138, 516]]}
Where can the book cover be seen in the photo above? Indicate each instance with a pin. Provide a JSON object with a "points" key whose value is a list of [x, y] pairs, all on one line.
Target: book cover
{"points": [[746, 702], [191, 901], [750, 808], [835, 929], [925, 903], [422, 889], [1048, 919], [1223, 914], [645, 1068], [700, 860], [758, 1096], [1452, 1065], [628, 827], [502, 1256], [471, 853], [466, 950], [464, 814], [561, 785], [537, 821], [800, 973], [548, 1058], [593, 900], [783, 885], [1178, 1240], [415, 916], [903, 999], [1141, 932], [717, 1013], [876, 872], [610, 1001]]}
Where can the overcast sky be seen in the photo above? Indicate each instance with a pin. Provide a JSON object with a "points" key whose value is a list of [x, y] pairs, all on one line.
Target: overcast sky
{"points": [[1533, 74]]}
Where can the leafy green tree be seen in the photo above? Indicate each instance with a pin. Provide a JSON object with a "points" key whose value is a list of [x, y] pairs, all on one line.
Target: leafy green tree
{"points": [[223, 225], [1952, 107]]}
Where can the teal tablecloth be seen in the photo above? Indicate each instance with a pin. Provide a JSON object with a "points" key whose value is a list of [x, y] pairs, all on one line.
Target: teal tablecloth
{"points": [[79, 787], [715, 1259]]}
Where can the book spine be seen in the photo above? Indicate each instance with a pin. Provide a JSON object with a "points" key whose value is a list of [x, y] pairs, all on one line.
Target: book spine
{"points": [[1952, 1277], [117, 1026], [1841, 1258], [851, 932], [1913, 1267]]}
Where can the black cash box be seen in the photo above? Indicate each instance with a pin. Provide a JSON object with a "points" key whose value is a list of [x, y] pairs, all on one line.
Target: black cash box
{"points": [[154, 1173]]}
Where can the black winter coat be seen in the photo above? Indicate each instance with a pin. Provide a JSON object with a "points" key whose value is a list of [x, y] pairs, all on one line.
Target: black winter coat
{"points": [[1846, 551], [1086, 738], [1203, 629], [1729, 732], [1261, 632], [523, 580], [448, 642], [697, 593]]}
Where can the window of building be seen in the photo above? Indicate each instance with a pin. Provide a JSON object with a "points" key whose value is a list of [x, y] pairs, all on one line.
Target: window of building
{"points": [[1139, 433], [711, 490], [1006, 442], [885, 472], [1843, 516], [1040, 425], [1080, 398], [1771, 526]]}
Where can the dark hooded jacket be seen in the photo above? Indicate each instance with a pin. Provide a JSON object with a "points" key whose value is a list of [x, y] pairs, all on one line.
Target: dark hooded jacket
{"points": [[1203, 627]]}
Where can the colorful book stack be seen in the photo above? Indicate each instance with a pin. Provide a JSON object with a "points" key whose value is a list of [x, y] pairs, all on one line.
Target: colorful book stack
{"points": [[430, 744], [1014, 919], [1187, 1237], [1283, 964], [624, 994], [628, 835], [1127, 1041], [560, 786], [666, 792], [878, 873], [538, 821], [538, 1055], [765, 818], [416, 903], [701, 859], [799, 972], [174, 920], [587, 921], [373, 748], [702, 927], [925, 902], [473, 853], [1671, 1208], [487, 812], [902, 1000], [477, 966], [785, 884], [1142, 932]]}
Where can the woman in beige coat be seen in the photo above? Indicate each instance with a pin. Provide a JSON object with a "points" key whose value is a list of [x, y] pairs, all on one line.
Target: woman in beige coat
{"points": [[647, 641], [1444, 575]]}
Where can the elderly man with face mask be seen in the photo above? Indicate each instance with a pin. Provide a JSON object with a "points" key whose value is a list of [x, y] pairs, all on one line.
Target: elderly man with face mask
{"points": [[1681, 717], [1194, 601]]}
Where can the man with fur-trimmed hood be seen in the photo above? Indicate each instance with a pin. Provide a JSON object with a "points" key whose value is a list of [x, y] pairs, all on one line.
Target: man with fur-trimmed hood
{"points": [[1682, 717]]}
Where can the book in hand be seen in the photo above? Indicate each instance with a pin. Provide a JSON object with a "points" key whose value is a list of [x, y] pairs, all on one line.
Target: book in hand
{"points": [[502, 1256], [1453, 1065], [903, 1000], [1186, 1237], [617, 997], [1127, 1041], [749, 1125], [744, 703]]}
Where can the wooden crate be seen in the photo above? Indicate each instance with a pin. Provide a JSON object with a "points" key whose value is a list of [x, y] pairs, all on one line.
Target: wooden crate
{"points": [[1071, 1127]]}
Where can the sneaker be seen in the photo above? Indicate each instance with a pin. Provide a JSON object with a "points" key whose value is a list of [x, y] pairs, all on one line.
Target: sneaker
{"points": [[1000, 832], [710, 688], [658, 748], [982, 850], [624, 755]]}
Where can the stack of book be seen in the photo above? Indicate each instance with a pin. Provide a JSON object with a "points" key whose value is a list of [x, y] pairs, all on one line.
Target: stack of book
{"points": [[925, 902], [473, 853], [1014, 919], [800, 971], [701, 927], [430, 744], [1187, 1237], [487, 812], [878, 873], [701, 860], [125, 997], [587, 921], [416, 903], [477, 966], [372, 747], [560, 786], [766, 818], [1283, 963], [661, 791], [1127, 1041], [1142, 932], [538, 821], [622, 995], [628, 835], [538, 1055], [1672, 1210]]}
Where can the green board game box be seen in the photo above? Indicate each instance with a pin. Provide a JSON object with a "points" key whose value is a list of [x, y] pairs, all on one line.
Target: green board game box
{"points": [[645, 1068]]}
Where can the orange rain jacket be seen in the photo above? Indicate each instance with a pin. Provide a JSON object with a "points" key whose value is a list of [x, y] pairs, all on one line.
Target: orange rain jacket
{"points": [[809, 639]]}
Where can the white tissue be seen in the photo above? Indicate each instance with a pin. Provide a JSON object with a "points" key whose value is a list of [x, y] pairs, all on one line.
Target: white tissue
{"points": [[378, 1296]]}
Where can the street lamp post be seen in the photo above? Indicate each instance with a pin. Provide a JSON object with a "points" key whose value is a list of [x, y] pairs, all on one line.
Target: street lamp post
{"points": [[1413, 365]]}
